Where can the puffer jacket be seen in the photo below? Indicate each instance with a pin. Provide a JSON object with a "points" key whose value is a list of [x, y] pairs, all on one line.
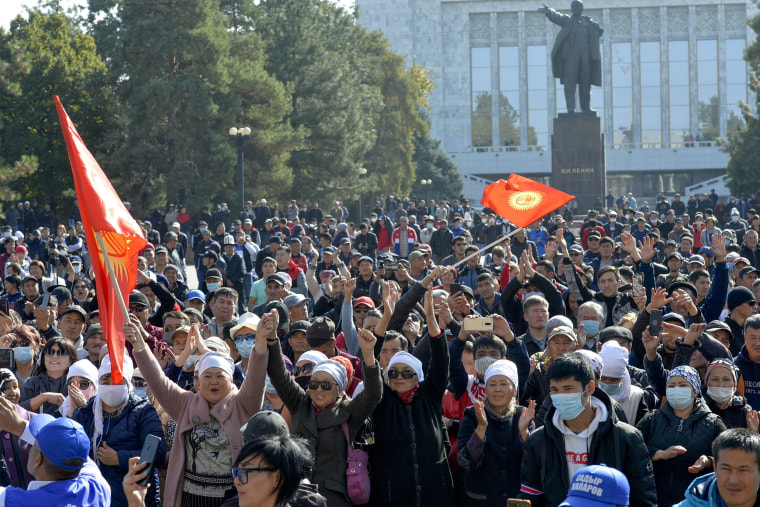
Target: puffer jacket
{"points": [[135, 422], [735, 414], [544, 473], [662, 429], [702, 492]]}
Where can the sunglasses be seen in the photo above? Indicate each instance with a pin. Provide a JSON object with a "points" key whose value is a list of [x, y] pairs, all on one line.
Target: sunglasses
{"points": [[326, 385], [414, 317], [752, 303], [56, 353], [21, 343], [305, 369], [406, 374], [241, 337], [138, 382], [241, 473], [361, 309], [82, 384]]}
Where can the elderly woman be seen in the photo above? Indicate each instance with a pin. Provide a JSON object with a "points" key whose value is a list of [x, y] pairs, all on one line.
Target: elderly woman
{"points": [[82, 384], [679, 435], [410, 465], [491, 438], [208, 437], [117, 424], [15, 450], [305, 366], [45, 391], [722, 398], [319, 412]]}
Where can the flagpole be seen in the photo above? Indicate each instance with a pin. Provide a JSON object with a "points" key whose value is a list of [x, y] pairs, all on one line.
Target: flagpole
{"points": [[112, 275], [498, 240]]}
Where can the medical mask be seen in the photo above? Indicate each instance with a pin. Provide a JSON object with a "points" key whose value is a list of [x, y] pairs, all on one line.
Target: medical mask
{"points": [[212, 287], [373, 220], [679, 397], [653, 220], [699, 222], [77, 268], [332, 226], [613, 220], [190, 361], [468, 223], [591, 327], [482, 365], [244, 347], [203, 229], [140, 392], [23, 354], [734, 218], [429, 225], [569, 405], [113, 396], [720, 394], [611, 389], [730, 265], [269, 387]]}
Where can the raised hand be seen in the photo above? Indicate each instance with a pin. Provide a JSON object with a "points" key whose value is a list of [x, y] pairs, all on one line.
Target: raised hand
{"points": [[629, 242], [719, 247], [650, 344], [134, 492], [501, 328], [753, 421], [581, 334], [348, 289], [647, 249], [525, 419], [433, 328], [694, 332], [659, 299]]}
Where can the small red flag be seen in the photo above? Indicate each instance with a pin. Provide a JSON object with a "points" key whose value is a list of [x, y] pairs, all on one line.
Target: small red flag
{"points": [[522, 201], [103, 211]]}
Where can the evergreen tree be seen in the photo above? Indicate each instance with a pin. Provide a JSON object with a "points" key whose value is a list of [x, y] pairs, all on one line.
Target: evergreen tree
{"points": [[435, 164]]}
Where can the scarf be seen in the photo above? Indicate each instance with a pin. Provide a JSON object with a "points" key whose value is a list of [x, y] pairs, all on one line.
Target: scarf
{"points": [[406, 397]]}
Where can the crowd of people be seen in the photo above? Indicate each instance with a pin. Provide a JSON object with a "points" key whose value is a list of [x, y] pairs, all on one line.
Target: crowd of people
{"points": [[428, 353]]}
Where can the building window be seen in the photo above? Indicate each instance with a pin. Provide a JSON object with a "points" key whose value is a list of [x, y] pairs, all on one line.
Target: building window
{"points": [[537, 95], [622, 94], [509, 96], [482, 129], [736, 82], [678, 70], [708, 112], [651, 103]]}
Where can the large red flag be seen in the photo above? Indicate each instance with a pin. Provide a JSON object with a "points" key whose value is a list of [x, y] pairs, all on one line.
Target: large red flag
{"points": [[521, 200], [102, 211]]}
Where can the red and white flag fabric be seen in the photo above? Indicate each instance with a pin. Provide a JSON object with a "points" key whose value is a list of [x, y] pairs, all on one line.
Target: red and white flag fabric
{"points": [[103, 211], [522, 201]]}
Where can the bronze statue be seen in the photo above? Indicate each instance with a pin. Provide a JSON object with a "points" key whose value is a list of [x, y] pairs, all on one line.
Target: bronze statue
{"points": [[576, 59]]}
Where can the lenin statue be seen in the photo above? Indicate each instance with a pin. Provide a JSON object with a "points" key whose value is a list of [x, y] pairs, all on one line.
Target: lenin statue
{"points": [[575, 57]]}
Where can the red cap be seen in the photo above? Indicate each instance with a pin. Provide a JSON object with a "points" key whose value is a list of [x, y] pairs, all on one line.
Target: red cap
{"points": [[364, 300], [20, 248]]}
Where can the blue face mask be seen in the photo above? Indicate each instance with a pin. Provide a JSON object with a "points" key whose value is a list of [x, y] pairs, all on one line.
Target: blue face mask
{"points": [[140, 392], [244, 347], [611, 389], [569, 405], [730, 265], [212, 287], [23, 354], [269, 387], [591, 327], [734, 218], [679, 397]]}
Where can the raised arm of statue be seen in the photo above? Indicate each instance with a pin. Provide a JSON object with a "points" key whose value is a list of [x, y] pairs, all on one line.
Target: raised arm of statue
{"points": [[555, 17]]}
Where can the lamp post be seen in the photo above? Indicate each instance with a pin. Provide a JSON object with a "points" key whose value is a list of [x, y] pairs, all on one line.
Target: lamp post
{"points": [[362, 172], [426, 184], [239, 136]]}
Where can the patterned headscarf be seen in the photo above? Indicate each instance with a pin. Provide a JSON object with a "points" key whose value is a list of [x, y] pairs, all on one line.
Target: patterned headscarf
{"points": [[690, 374]]}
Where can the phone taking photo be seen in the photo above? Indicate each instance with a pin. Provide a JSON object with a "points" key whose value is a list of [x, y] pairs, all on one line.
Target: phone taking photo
{"points": [[148, 455]]}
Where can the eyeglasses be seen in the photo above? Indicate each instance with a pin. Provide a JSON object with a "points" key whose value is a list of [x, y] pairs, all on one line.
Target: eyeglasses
{"points": [[248, 336], [574, 254], [305, 369], [406, 374], [361, 309], [241, 473], [82, 384], [56, 353], [138, 382], [326, 385]]}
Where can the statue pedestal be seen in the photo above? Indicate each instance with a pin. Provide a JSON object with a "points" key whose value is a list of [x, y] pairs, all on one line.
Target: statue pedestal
{"points": [[578, 161]]}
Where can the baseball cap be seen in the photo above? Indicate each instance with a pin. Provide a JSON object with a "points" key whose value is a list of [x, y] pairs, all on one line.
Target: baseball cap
{"points": [[676, 255], [746, 270], [364, 300], [608, 333], [293, 300], [50, 432], [416, 255], [264, 424], [277, 278], [196, 294], [597, 486], [138, 298], [75, 259], [322, 328], [366, 258], [299, 325], [79, 310], [698, 259]]}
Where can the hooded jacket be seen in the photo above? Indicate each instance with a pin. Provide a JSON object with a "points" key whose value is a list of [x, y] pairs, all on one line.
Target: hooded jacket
{"points": [[544, 472], [750, 376], [702, 492]]}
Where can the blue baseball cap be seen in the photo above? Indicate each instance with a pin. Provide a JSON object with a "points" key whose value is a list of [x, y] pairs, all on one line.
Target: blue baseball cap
{"points": [[50, 432], [597, 486], [196, 294]]}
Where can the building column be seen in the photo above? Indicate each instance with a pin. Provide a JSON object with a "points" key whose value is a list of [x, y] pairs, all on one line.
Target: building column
{"points": [[636, 76], [664, 78], [722, 72], [522, 44], [496, 135], [693, 77]]}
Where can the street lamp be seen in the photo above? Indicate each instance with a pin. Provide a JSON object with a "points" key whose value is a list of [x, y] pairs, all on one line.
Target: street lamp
{"points": [[362, 172], [426, 184], [239, 136]]}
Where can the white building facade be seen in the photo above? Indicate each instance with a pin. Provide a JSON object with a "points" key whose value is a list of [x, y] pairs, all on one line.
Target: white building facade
{"points": [[673, 76]]}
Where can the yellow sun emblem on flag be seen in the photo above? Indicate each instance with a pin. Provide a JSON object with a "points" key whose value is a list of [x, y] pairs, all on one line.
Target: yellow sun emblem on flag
{"points": [[525, 200]]}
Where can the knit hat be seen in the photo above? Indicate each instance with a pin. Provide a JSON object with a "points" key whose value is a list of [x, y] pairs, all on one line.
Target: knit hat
{"points": [[738, 296]]}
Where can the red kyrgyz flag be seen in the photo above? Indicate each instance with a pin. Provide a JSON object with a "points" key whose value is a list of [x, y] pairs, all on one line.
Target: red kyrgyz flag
{"points": [[522, 201], [103, 212]]}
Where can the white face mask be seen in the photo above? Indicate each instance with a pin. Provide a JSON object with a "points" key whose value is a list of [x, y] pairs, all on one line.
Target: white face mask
{"points": [[720, 394], [113, 396]]}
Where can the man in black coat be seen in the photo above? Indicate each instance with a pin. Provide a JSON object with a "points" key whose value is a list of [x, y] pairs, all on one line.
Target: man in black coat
{"points": [[582, 429], [235, 270]]}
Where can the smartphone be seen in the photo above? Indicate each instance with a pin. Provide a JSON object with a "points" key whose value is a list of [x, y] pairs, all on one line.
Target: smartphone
{"points": [[148, 455], [479, 324], [4, 306], [638, 284], [45, 301], [6, 359], [655, 322], [454, 288], [514, 502]]}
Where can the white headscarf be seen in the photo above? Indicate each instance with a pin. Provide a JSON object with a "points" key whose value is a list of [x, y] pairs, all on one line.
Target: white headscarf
{"points": [[406, 358], [615, 360], [503, 367], [82, 368]]}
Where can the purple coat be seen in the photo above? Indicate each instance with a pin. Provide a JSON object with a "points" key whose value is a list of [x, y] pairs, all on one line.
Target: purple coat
{"points": [[13, 460]]}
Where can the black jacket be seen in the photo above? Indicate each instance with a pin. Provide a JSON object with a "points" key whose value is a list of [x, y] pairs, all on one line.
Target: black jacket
{"points": [[662, 429], [616, 444], [512, 306]]}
